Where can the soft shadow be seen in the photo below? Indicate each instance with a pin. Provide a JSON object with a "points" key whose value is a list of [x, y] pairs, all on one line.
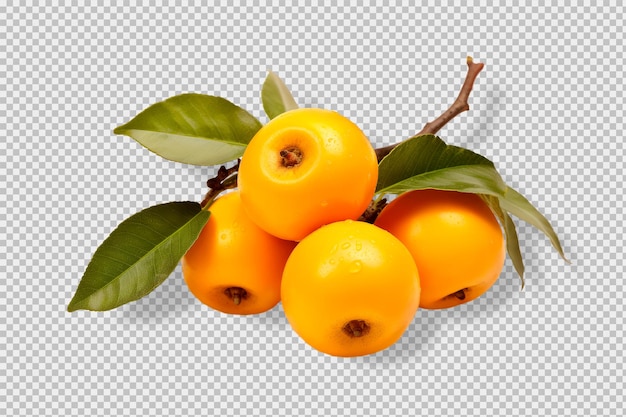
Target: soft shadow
{"points": [[170, 300], [483, 132], [423, 333], [272, 322]]}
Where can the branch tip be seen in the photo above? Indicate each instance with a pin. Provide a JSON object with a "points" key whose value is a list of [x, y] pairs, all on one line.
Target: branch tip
{"points": [[460, 105]]}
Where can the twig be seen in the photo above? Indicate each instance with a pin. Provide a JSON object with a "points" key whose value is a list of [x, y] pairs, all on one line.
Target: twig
{"points": [[373, 210], [225, 179], [459, 106]]}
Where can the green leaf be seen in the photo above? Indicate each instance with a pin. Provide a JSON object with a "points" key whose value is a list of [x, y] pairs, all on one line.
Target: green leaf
{"points": [[477, 179], [427, 162], [516, 204], [510, 233], [193, 129], [276, 96], [512, 246], [138, 255]]}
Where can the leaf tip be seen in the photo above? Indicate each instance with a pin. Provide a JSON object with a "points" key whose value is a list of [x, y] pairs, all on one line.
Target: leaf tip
{"points": [[566, 259], [71, 307]]}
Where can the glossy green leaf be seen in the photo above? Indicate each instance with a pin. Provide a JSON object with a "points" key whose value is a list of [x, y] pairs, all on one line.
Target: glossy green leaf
{"points": [[138, 255], [516, 204], [193, 129], [512, 246], [276, 96], [427, 162], [477, 179], [510, 233]]}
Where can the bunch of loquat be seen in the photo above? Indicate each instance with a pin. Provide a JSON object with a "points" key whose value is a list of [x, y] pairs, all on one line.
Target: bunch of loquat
{"points": [[291, 232], [349, 239]]}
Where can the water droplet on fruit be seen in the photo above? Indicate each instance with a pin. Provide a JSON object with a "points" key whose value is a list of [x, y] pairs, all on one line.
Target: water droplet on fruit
{"points": [[324, 203], [345, 245], [355, 267], [358, 246], [224, 236]]}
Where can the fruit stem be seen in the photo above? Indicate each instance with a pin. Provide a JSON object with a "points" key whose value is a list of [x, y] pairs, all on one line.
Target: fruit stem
{"points": [[225, 179], [356, 328], [459, 106], [237, 294], [373, 210]]}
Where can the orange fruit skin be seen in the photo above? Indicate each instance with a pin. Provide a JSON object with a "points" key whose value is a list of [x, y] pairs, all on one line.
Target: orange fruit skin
{"points": [[232, 251], [455, 239], [346, 271], [335, 180]]}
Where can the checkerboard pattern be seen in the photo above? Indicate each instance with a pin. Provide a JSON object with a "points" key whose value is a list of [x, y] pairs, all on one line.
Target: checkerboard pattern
{"points": [[547, 109]]}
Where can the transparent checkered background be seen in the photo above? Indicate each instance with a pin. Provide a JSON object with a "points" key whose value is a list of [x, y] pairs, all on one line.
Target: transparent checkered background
{"points": [[548, 109]]}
